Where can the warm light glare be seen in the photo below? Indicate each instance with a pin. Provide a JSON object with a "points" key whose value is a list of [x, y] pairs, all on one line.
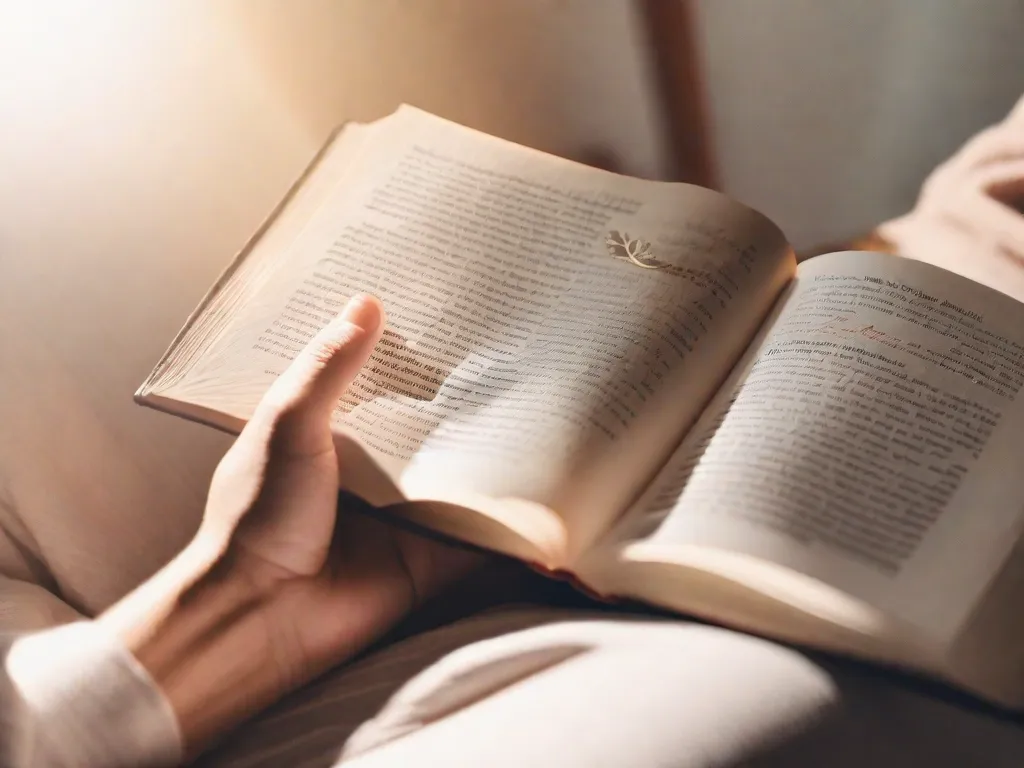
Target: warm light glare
{"points": [[50, 47], [77, 60]]}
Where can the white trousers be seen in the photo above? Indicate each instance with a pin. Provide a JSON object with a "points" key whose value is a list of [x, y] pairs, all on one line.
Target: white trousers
{"points": [[548, 687]]}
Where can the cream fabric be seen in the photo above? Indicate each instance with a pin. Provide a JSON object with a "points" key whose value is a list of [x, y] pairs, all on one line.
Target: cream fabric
{"points": [[582, 692], [550, 687], [73, 696]]}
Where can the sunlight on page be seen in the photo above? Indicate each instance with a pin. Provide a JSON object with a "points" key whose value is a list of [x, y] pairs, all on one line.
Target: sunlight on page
{"points": [[812, 596]]}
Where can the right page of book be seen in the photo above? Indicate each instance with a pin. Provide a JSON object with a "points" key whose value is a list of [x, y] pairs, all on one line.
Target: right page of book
{"points": [[870, 440]]}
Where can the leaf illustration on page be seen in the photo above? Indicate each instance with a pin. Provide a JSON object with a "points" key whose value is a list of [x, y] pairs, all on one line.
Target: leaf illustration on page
{"points": [[637, 251]]}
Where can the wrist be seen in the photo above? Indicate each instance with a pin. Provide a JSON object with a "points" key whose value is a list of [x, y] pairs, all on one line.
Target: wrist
{"points": [[198, 628]]}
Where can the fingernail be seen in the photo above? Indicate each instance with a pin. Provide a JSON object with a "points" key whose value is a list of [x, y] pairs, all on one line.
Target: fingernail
{"points": [[364, 311]]}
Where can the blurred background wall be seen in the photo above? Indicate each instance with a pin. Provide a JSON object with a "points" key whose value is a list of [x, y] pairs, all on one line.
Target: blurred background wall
{"points": [[142, 142], [828, 114]]}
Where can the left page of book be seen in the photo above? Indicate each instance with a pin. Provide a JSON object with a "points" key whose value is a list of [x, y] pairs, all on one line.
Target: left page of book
{"points": [[553, 329]]}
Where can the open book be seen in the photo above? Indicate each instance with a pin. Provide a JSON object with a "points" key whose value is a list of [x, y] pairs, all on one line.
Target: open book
{"points": [[633, 382]]}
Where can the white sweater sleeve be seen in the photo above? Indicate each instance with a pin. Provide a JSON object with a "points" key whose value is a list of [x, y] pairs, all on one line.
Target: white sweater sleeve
{"points": [[74, 696]]}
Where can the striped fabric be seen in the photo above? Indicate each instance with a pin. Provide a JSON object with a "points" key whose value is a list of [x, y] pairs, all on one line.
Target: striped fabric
{"points": [[310, 728]]}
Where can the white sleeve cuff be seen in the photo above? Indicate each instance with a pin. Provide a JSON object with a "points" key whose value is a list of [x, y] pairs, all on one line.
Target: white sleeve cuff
{"points": [[80, 698]]}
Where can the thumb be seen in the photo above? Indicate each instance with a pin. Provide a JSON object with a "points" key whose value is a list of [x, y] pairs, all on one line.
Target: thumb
{"points": [[305, 394]]}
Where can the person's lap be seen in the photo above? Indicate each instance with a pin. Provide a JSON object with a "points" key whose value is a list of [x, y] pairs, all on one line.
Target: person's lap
{"points": [[544, 686]]}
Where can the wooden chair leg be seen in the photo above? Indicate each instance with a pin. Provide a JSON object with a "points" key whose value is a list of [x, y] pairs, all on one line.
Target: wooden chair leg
{"points": [[671, 31]]}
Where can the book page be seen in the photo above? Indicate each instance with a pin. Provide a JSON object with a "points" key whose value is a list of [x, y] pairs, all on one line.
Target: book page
{"points": [[552, 330], [871, 441]]}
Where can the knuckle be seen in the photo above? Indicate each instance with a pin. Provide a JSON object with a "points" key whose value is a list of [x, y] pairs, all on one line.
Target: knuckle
{"points": [[284, 425], [277, 413], [325, 351], [338, 343], [985, 143], [284, 419], [276, 406]]}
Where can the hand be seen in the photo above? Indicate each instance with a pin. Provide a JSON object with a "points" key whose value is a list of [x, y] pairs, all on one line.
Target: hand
{"points": [[279, 584], [968, 216], [329, 580]]}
